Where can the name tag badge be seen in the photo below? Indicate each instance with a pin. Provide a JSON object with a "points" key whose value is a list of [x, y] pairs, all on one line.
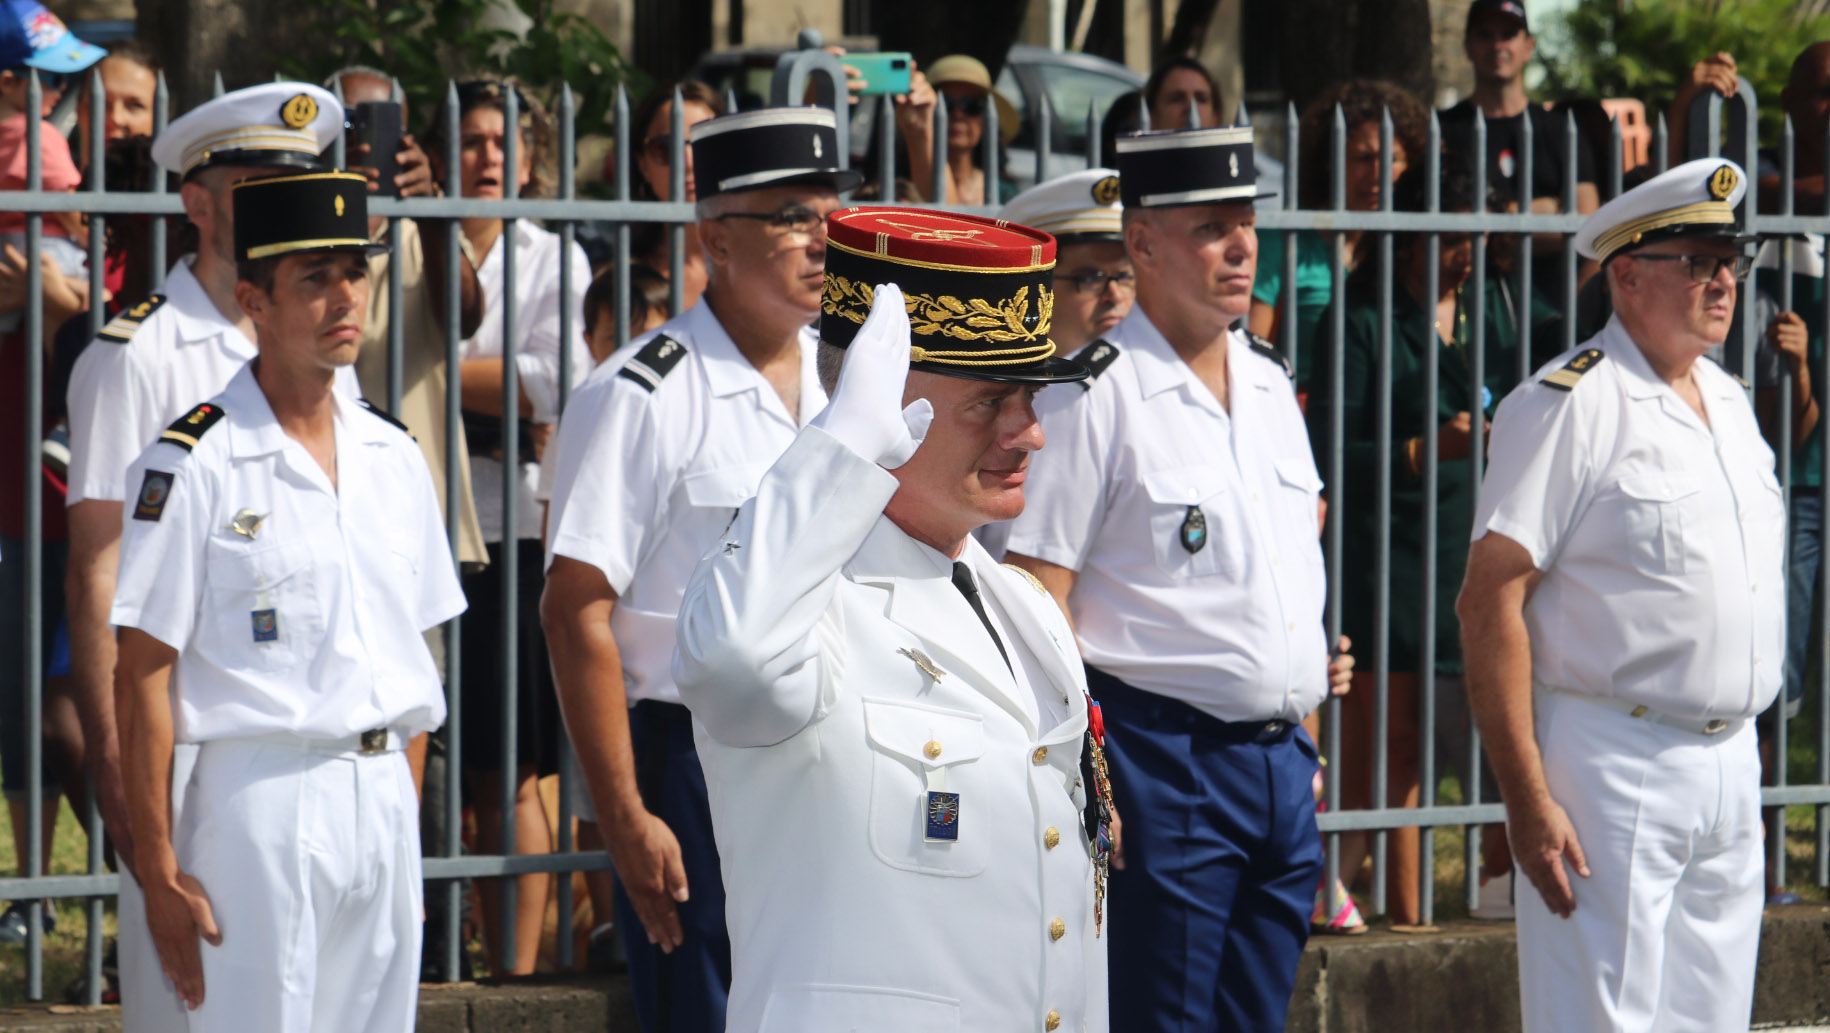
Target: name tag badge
{"points": [[266, 626], [943, 817]]}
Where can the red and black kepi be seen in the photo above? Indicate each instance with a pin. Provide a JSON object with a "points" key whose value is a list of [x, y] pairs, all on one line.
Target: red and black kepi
{"points": [[979, 291]]}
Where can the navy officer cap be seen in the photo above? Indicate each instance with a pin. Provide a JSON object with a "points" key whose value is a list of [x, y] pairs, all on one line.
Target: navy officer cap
{"points": [[768, 147], [1187, 166]]}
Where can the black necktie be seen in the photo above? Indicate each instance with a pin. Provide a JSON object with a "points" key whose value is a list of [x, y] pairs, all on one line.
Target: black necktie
{"points": [[962, 580]]}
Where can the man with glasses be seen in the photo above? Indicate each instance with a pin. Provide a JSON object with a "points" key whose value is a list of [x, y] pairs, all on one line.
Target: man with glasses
{"points": [[1623, 621], [660, 446], [1093, 278]]}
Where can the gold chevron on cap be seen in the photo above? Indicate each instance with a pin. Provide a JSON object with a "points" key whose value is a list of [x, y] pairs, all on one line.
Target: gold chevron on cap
{"points": [[1701, 212]]}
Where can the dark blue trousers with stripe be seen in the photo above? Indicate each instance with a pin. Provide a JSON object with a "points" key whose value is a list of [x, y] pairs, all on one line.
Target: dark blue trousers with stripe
{"points": [[686, 991], [1210, 914]]}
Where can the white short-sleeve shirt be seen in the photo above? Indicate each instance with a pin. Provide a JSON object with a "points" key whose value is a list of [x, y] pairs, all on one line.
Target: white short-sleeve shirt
{"points": [[537, 344], [143, 373], [295, 606], [1138, 462], [651, 469], [1661, 538]]}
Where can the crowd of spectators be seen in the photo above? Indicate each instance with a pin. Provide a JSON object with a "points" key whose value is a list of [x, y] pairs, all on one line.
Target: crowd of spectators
{"points": [[1427, 326]]}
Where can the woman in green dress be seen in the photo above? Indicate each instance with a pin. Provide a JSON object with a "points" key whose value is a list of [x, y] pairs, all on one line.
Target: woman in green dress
{"points": [[1424, 330]]}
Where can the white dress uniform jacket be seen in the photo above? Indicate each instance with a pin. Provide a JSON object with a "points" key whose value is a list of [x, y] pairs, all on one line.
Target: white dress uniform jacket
{"points": [[836, 678], [1235, 627], [1661, 539], [656, 452]]}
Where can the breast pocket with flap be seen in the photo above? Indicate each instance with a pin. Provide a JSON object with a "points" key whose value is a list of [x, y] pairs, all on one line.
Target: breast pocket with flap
{"points": [[1190, 510], [918, 749], [1657, 511]]}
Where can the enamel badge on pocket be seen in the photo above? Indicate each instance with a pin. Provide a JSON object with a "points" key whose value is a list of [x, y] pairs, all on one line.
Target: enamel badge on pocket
{"points": [[1194, 530], [943, 817]]}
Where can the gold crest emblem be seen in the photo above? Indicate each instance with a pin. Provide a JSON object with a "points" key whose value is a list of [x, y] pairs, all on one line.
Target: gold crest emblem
{"points": [[299, 112], [1722, 182], [1106, 190], [339, 205]]}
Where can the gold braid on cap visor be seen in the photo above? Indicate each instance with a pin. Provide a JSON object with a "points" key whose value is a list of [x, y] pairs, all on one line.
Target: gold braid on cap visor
{"points": [[971, 319]]}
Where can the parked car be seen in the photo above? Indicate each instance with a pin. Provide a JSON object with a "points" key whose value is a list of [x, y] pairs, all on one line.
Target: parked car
{"points": [[1070, 81]]}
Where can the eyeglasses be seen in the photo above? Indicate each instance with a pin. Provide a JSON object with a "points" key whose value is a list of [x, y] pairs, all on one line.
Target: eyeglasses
{"points": [[971, 107], [1094, 281], [1703, 268], [795, 218]]}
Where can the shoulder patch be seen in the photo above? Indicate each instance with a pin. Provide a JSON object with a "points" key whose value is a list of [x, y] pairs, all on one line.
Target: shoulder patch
{"points": [[1270, 351], [1027, 576], [186, 429], [121, 328], [656, 359], [1097, 358], [385, 416], [1565, 379]]}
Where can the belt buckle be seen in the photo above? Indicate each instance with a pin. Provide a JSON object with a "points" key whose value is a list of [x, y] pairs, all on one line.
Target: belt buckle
{"points": [[1715, 726], [1272, 729], [375, 740]]}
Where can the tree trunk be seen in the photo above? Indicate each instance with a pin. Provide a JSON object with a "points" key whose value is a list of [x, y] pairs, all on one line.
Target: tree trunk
{"points": [[197, 38], [1325, 42], [935, 28]]}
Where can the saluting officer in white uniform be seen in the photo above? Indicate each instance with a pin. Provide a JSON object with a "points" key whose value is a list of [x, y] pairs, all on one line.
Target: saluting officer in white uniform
{"points": [[1624, 621], [1175, 516], [656, 451], [891, 723], [151, 364], [283, 557]]}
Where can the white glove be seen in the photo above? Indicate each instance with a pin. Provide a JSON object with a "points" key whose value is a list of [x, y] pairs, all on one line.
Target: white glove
{"points": [[866, 413]]}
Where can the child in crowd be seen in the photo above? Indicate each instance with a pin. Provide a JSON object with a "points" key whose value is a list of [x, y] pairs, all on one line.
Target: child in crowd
{"points": [[33, 39]]}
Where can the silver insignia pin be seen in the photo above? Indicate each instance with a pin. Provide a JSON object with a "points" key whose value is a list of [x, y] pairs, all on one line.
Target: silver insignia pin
{"points": [[247, 523], [927, 666]]}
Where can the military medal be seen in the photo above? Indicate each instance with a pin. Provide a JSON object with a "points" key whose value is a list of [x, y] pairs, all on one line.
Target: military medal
{"points": [[943, 817], [1194, 530], [1097, 777]]}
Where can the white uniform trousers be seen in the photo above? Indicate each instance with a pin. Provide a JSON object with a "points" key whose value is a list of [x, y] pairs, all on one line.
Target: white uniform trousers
{"points": [[310, 857], [149, 1004], [1667, 927]]}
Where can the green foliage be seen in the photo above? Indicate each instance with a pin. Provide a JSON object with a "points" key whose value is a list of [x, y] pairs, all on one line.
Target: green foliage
{"points": [[425, 42], [1616, 48]]}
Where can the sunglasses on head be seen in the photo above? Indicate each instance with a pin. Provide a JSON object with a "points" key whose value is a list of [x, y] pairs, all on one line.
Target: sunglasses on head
{"points": [[971, 107]]}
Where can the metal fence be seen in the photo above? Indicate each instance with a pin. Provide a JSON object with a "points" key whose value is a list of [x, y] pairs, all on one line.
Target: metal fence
{"points": [[446, 863]]}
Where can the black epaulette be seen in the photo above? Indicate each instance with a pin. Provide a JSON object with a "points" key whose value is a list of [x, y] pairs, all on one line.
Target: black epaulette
{"points": [[656, 359], [386, 417], [1272, 352], [1572, 371], [186, 429], [121, 328], [1096, 357]]}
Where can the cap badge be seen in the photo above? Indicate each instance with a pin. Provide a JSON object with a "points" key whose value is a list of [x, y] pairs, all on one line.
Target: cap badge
{"points": [[1232, 164], [1722, 182], [1106, 190], [299, 112], [816, 145], [951, 236], [338, 204]]}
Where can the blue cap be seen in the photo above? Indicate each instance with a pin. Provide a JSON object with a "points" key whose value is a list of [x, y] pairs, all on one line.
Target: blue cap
{"points": [[33, 37]]}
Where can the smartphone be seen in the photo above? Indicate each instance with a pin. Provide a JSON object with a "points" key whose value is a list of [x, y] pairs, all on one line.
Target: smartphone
{"points": [[377, 124], [886, 72]]}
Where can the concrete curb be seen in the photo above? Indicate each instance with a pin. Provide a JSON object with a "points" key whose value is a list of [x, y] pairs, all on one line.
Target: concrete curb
{"points": [[1462, 977]]}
